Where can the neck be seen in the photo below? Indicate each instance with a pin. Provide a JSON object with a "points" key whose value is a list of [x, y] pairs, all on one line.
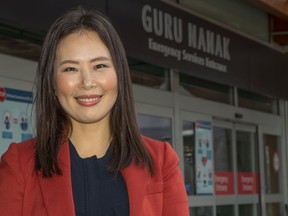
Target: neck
{"points": [[90, 139]]}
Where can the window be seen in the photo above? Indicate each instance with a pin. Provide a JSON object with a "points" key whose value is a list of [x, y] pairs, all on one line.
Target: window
{"points": [[257, 102], [156, 127], [225, 210], [149, 75], [272, 163], [205, 89], [201, 211]]}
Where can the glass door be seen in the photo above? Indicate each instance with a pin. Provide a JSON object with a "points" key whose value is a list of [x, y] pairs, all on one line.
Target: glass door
{"points": [[236, 169], [247, 170], [224, 168]]}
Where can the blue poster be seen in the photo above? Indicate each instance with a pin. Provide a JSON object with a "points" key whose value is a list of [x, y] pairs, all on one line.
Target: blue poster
{"points": [[15, 116], [204, 158]]}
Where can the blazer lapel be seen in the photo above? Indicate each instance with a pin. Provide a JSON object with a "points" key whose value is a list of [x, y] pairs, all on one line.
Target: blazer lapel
{"points": [[136, 179], [57, 190]]}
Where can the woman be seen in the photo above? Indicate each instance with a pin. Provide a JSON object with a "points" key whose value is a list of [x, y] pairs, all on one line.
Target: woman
{"points": [[88, 157]]}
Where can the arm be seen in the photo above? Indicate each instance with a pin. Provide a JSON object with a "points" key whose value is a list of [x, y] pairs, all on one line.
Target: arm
{"points": [[175, 202], [11, 183]]}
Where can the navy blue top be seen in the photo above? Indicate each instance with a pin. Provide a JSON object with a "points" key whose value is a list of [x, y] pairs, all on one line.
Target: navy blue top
{"points": [[97, 191]]}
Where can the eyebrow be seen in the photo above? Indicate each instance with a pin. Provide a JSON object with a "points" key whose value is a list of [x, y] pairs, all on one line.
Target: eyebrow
{"points": [[101, 58]]}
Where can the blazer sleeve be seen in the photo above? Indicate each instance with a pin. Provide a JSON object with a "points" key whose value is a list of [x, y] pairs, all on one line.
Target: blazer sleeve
{"points": [[11, 183], [175, 201]]}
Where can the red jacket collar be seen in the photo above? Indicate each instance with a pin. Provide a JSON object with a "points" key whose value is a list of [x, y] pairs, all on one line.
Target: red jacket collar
{"points": [[57, 191]]}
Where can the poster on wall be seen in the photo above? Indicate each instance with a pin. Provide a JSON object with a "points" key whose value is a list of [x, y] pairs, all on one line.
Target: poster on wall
{"points": [[247, 183], [15, 116], [204, 158], [224, 183]]}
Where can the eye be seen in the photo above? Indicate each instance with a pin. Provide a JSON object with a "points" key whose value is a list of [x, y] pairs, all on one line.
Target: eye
{"points": [[99, 66], [68, 69]]}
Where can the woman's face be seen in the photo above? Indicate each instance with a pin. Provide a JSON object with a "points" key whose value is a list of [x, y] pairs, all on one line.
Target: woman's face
{"points": [[85, 78]]}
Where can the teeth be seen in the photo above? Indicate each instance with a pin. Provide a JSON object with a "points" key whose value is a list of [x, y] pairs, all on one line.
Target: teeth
{"points": [[87, 99]]}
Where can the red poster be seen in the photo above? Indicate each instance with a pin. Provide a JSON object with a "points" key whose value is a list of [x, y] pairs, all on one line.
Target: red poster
{"points": [[247, 183], [224, 183]]}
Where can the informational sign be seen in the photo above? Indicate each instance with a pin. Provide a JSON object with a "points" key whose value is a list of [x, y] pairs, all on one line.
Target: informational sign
{"points": [[224, 183], [15, 116], [204, 158], [170, 37], [247, 183]]}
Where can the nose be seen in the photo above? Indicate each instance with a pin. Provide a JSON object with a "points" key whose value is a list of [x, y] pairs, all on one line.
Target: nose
{"points": [[87, 80]]}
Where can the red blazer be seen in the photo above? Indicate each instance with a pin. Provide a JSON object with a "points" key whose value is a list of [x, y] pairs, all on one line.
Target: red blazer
{"points": [[23, 192]]}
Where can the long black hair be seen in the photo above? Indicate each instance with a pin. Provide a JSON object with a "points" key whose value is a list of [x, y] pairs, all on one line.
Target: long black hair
{"points": [[53, 124]]}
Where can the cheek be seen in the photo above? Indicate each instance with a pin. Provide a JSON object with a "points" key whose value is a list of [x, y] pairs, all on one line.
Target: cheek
{"points": [[109, 82], [64, 85]]}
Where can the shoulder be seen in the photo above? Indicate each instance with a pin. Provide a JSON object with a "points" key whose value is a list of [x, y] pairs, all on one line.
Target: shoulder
{"points": [[20, 154], [156, 146], [161, 152], [25, 148]]}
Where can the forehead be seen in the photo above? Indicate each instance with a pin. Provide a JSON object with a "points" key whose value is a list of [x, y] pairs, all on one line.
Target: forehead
{"points": [[81, 41], [87, 35]]}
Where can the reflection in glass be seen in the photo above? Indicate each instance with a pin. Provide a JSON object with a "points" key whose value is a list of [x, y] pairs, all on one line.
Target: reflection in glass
{"points": [[273, 209], [258, 102], [188, 136], [201, 211], [223, 162], [222, 138], [225, 210], [272, 163], [249, 209], [247, 152], [156, 127], [149, 75], [205, 89], [247, 162]]}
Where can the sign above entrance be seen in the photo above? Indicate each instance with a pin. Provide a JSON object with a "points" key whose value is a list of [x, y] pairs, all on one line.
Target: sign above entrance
{"points": [[204, 44], [171, 37], [158, 33]]}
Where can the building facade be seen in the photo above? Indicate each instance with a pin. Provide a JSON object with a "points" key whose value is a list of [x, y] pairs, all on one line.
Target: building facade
{"points": [[217, 95]]}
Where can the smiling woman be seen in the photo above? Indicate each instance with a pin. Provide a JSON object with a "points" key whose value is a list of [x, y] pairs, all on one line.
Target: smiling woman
{"points": [[88, 156], [86, 82]]}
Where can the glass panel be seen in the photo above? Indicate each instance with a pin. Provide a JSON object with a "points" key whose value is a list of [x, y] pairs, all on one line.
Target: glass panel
{"points": [[156, 127], [205, 89], [149, 75], [224, 181], [247, 162], [249, 209], [188, 134], [226, 210], [222, 138], [257, 102], [272, 163], [273, 209], [201, 211]]}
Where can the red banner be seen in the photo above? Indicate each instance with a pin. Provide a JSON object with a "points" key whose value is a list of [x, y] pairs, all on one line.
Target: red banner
{"points": [[247, 183], [224, 183]]}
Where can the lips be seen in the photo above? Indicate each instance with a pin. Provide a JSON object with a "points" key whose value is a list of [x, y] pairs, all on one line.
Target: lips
{"points": [[88, 100]]}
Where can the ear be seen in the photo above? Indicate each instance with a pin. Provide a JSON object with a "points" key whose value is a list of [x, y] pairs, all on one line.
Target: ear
{"points": [[54, 91]]}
